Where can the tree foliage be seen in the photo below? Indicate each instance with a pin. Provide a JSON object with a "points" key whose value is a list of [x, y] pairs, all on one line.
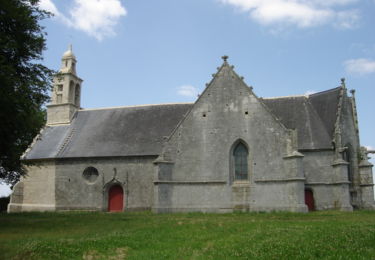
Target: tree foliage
{"points": [[24, 82]]}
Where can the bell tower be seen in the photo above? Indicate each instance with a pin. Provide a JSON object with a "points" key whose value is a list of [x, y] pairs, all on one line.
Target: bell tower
{"points": [[66, 92]]}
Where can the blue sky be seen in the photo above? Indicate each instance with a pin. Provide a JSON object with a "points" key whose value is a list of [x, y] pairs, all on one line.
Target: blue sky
{"points": [[147, 52]]}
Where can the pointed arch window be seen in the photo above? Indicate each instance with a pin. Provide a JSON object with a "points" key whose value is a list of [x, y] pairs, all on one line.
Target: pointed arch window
{"points": [[240, 157]]}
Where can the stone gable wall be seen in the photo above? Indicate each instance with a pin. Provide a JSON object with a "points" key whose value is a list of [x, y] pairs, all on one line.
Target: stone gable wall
{"points": [[197, 173]]}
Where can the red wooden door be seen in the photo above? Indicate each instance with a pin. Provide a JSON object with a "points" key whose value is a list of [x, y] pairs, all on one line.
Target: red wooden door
{"points": [[309, 200], [115, 198]]}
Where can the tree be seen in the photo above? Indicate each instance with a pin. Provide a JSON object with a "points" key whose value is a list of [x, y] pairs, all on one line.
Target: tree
{"points": [[24, 83]]}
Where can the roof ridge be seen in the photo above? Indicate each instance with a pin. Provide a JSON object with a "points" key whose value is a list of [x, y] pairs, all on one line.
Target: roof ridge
{"points": [[135, 106], [305, 95], [291, 96], [325, 91]]}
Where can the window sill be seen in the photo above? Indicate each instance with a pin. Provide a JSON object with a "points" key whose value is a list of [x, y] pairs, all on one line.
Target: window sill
{"points": [[242, 183]]}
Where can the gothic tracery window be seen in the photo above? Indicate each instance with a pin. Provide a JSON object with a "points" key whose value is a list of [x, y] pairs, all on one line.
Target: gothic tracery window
{"points": [[240, 155]]}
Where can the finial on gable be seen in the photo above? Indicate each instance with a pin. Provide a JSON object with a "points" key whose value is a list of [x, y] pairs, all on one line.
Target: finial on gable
{"points": [[225, 58], [343, 82]]}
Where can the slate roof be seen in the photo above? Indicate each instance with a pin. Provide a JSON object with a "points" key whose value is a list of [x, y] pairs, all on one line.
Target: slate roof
{"points": [[140, 130], [325, 104], [125, 131], [314, 116]]}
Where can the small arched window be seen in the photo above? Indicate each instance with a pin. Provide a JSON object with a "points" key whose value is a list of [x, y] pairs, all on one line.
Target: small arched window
{"points": [[240, 155], [71, 92], [77, 96]]}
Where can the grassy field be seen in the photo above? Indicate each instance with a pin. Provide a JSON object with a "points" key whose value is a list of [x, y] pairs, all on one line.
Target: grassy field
{"points": [[88, 235]]}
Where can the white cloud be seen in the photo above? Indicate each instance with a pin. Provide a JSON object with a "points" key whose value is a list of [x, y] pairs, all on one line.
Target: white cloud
{"points": [[347, 19], [187, 91], [4, 190], [301, 13], [97, 18], [359, 66], [331, 2], [48, 6]]}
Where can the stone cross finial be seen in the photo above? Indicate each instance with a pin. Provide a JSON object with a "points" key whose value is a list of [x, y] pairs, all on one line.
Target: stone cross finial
{"points": [[225, 57]]}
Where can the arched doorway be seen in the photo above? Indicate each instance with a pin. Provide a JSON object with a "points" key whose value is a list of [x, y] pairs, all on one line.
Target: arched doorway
{"points": [[309, 199], [115, 198]]}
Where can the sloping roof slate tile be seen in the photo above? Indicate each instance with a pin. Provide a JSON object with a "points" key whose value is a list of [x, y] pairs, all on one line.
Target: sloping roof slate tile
{"points": [[140, 130], [298, 113], [127, 131]]}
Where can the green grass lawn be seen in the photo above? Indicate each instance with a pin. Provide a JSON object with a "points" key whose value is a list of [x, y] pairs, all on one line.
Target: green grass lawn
{"points": [[94, 235]]}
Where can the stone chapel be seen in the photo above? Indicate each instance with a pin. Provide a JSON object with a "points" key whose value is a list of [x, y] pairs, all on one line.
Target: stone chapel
{"points": [[228, 151]]}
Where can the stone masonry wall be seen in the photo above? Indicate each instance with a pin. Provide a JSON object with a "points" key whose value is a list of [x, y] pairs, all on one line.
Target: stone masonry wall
{"points": [[196, 170], [327, 184], [134, 174], [36, 190]]}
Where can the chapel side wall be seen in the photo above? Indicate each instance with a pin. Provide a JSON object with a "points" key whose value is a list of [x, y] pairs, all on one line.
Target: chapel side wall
{"points": [[200, 151], [329, 187], [134, 174], [361, 188], [36, 190]]}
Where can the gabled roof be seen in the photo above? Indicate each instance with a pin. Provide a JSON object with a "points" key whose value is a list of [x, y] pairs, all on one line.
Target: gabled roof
{"points": [[313, 116], [126, 131], [141, 130]]}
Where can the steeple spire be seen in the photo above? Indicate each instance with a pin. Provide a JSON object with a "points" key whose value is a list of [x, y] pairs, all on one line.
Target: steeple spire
{"points": [[66, 94]]}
